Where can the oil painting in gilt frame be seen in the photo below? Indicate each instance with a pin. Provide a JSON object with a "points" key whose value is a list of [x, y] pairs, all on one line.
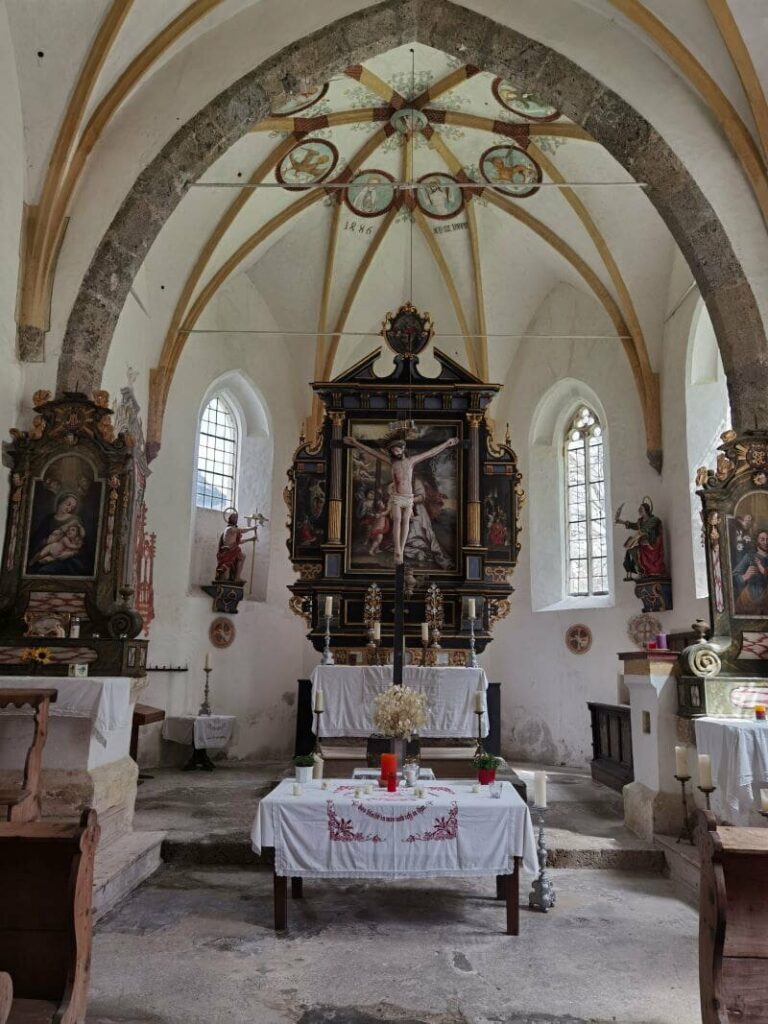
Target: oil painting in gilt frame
{"points": [[64, 523], [310, 512], [748, 549], [434, 541], [498, 518]]}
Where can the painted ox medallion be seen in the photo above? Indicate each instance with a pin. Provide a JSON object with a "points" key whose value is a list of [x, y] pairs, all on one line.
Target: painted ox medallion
{"points": [[510, 170], [308, 163], [370, 193], [522, 103]]}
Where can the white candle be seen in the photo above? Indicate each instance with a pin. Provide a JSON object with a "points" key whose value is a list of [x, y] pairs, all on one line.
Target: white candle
{"points": [[368, 789], [476, 787], [319, 700], [377, 631], [681, 762], [764, 799], [358, 792], [471, 608], [297, 789], [705, 771], [329, 606], [324, 784], [425, 632], [479, 701], [207, 661], [540, 789]]}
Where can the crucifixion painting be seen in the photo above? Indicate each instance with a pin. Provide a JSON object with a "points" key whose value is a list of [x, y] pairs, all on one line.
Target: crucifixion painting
{"points": [[408, 507]]}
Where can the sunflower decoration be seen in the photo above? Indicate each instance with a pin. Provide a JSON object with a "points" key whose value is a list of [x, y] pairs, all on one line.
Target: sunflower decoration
{"points": [[38, 655]]}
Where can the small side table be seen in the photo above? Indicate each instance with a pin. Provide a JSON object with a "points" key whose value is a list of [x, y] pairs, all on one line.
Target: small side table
{"points": [[143, 714], [203, 732]]}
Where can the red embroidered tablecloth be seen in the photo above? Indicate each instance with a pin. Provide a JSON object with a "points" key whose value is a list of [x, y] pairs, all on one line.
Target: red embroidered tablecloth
{"points": [[451, 831]]}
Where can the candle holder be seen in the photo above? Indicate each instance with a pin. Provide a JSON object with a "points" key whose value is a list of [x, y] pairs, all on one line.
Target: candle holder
{"points": [[473, 662], [327, 653], [318, 749], [479, 749], [542, 896], [707, 791], [372, 650], [685, 832], [205, 707]]}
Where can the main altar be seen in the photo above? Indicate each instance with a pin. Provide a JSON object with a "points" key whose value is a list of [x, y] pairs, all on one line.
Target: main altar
{"points": [[404, 514]]}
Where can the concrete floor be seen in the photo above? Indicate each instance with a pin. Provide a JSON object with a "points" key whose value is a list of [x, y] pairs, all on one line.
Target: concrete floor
{"points": [[196, 945]]}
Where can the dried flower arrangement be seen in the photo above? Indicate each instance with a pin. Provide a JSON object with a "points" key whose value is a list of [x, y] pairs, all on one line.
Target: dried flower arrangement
{"points": [[399, 712]]}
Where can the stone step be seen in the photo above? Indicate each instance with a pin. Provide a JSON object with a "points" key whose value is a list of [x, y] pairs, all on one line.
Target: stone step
{"points": [[122, 865], [682, 866]]}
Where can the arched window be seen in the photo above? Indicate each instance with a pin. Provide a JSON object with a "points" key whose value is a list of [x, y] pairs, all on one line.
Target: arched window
{"points": [[586, 543], [217, 451]]}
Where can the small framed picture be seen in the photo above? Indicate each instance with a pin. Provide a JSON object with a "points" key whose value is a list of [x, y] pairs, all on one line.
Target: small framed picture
{"points": [[79, 671]]}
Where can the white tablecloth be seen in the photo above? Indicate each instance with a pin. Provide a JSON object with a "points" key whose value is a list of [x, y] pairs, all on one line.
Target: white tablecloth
{"points": [[105, 700], [452, 831], [350, 690], [205, 732], [739, 752]]}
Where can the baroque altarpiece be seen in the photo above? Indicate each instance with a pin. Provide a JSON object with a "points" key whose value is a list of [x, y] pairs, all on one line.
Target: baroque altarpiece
{"points": [[726, 674], [463, 535]]}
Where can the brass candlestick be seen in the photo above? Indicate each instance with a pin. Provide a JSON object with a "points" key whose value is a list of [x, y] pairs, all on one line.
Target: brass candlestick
{"points": [[707, 791], [205, 707], [685, 831], [480, 749]]}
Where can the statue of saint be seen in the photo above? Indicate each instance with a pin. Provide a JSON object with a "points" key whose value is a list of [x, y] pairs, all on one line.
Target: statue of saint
{"points": [[645, 549], [394, 455], [230, 556]]}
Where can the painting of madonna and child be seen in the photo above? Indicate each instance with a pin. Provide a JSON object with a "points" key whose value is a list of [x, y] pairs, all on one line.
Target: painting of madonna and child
{"points": [[64, 524], [748, 542], [432, 540]]}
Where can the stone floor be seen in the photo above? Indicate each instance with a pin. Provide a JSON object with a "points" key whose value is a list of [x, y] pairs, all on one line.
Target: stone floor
{"points": [[195, 945]]}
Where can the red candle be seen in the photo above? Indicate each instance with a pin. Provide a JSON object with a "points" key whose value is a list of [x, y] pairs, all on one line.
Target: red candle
{"points": [[388, 764], [391, 783]]}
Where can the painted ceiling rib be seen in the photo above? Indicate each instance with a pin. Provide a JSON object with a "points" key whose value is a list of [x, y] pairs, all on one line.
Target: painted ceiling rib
{"points": [[322, 316]]}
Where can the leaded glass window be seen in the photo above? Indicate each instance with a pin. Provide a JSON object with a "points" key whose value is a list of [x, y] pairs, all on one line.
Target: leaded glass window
{"points": [[586, 541], [217, 456]]}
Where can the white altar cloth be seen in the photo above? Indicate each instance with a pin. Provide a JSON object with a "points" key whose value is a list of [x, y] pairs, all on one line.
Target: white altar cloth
{"points": [[105, 700], [204, 732], [349, 691], [452, 831], [739, 752]]}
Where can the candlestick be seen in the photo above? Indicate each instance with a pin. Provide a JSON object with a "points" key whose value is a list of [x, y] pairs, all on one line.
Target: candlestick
{"points": [[205, 707], [707, 791], [705, 772], [685, 831], [328, 610], [327, 653], [542, 896], [470, 608], [473, 662], [479, 749], [681, 762], [318, 712], [377, 631], [540, 789], [207, 661]]}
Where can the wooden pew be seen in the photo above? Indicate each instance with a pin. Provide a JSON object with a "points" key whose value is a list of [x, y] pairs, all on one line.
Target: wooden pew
{"points": [[23, 804], [733, 923], [46, 870]]}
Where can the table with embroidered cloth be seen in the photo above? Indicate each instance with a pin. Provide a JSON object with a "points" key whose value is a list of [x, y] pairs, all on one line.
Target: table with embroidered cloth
{"points": [[450, 831]]}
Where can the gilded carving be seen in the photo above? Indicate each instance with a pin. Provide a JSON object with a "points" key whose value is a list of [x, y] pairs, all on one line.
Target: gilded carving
{"points": [[301, 605], [309, 570]]}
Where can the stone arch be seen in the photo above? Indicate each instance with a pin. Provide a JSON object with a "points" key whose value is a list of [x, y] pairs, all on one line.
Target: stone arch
{"points": [[444, 25]]}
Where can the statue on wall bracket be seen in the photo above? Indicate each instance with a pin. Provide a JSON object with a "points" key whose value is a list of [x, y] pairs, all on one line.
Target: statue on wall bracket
{"points": [[228, 586], [645, 563]]}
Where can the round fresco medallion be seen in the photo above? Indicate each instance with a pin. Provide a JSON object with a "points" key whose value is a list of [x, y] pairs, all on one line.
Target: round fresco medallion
{"points": [[407, 121], [370, 193], [300, 101], [522, 103], [642, 628], [511, 171], [439, 195], [578, 638], [221, 632], [308, 163]]}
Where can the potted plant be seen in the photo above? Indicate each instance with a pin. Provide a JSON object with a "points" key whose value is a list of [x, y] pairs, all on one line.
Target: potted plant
{"points": [[486, 765], [304, 766]]}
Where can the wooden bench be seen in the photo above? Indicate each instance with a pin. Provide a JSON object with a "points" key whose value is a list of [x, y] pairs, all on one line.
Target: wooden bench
{"points": [[46, 924], [733, 923], [23, 804]]}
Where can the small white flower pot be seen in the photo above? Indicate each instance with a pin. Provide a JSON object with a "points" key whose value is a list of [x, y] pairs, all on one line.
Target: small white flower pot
{"points": [[303, 773]]}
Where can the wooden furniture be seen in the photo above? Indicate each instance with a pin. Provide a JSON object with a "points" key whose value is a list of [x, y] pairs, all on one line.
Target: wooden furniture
{"points": [[611, 763], [143, 714], [6, 996], [23, 804], [733, 923], [46, 924]]}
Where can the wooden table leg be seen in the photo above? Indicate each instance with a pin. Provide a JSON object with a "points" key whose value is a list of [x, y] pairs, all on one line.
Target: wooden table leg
{"points": [[501, 891], [297, 888], [281, 901], [512, 885]]}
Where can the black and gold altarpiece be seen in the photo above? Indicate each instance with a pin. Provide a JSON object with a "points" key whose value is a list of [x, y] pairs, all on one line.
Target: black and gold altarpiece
{"points": [[464, 532], [727, 674], [67, 565]]}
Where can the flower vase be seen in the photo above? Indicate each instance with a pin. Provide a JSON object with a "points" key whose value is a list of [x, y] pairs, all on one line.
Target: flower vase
{"points": [[398, 746], [485, 776]]}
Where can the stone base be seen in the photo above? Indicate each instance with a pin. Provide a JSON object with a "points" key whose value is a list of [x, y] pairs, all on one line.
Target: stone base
{"points": [[648, 811], [122, 866], [109, 788]]}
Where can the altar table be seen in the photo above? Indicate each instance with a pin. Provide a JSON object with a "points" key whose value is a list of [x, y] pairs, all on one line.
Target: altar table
{"points": [[739, 752], [105, 700], [349, 692], [330, 833]]}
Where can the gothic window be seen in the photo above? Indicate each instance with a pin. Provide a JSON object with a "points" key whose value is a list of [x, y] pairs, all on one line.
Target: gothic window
{"points": [[585, 542], [217, 455]]}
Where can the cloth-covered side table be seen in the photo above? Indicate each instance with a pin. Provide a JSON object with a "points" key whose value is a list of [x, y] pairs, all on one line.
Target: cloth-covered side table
{"points": [[203, 732]]}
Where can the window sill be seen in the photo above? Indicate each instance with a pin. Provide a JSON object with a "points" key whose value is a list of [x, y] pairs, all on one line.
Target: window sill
{"points": [[572, 603]]}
